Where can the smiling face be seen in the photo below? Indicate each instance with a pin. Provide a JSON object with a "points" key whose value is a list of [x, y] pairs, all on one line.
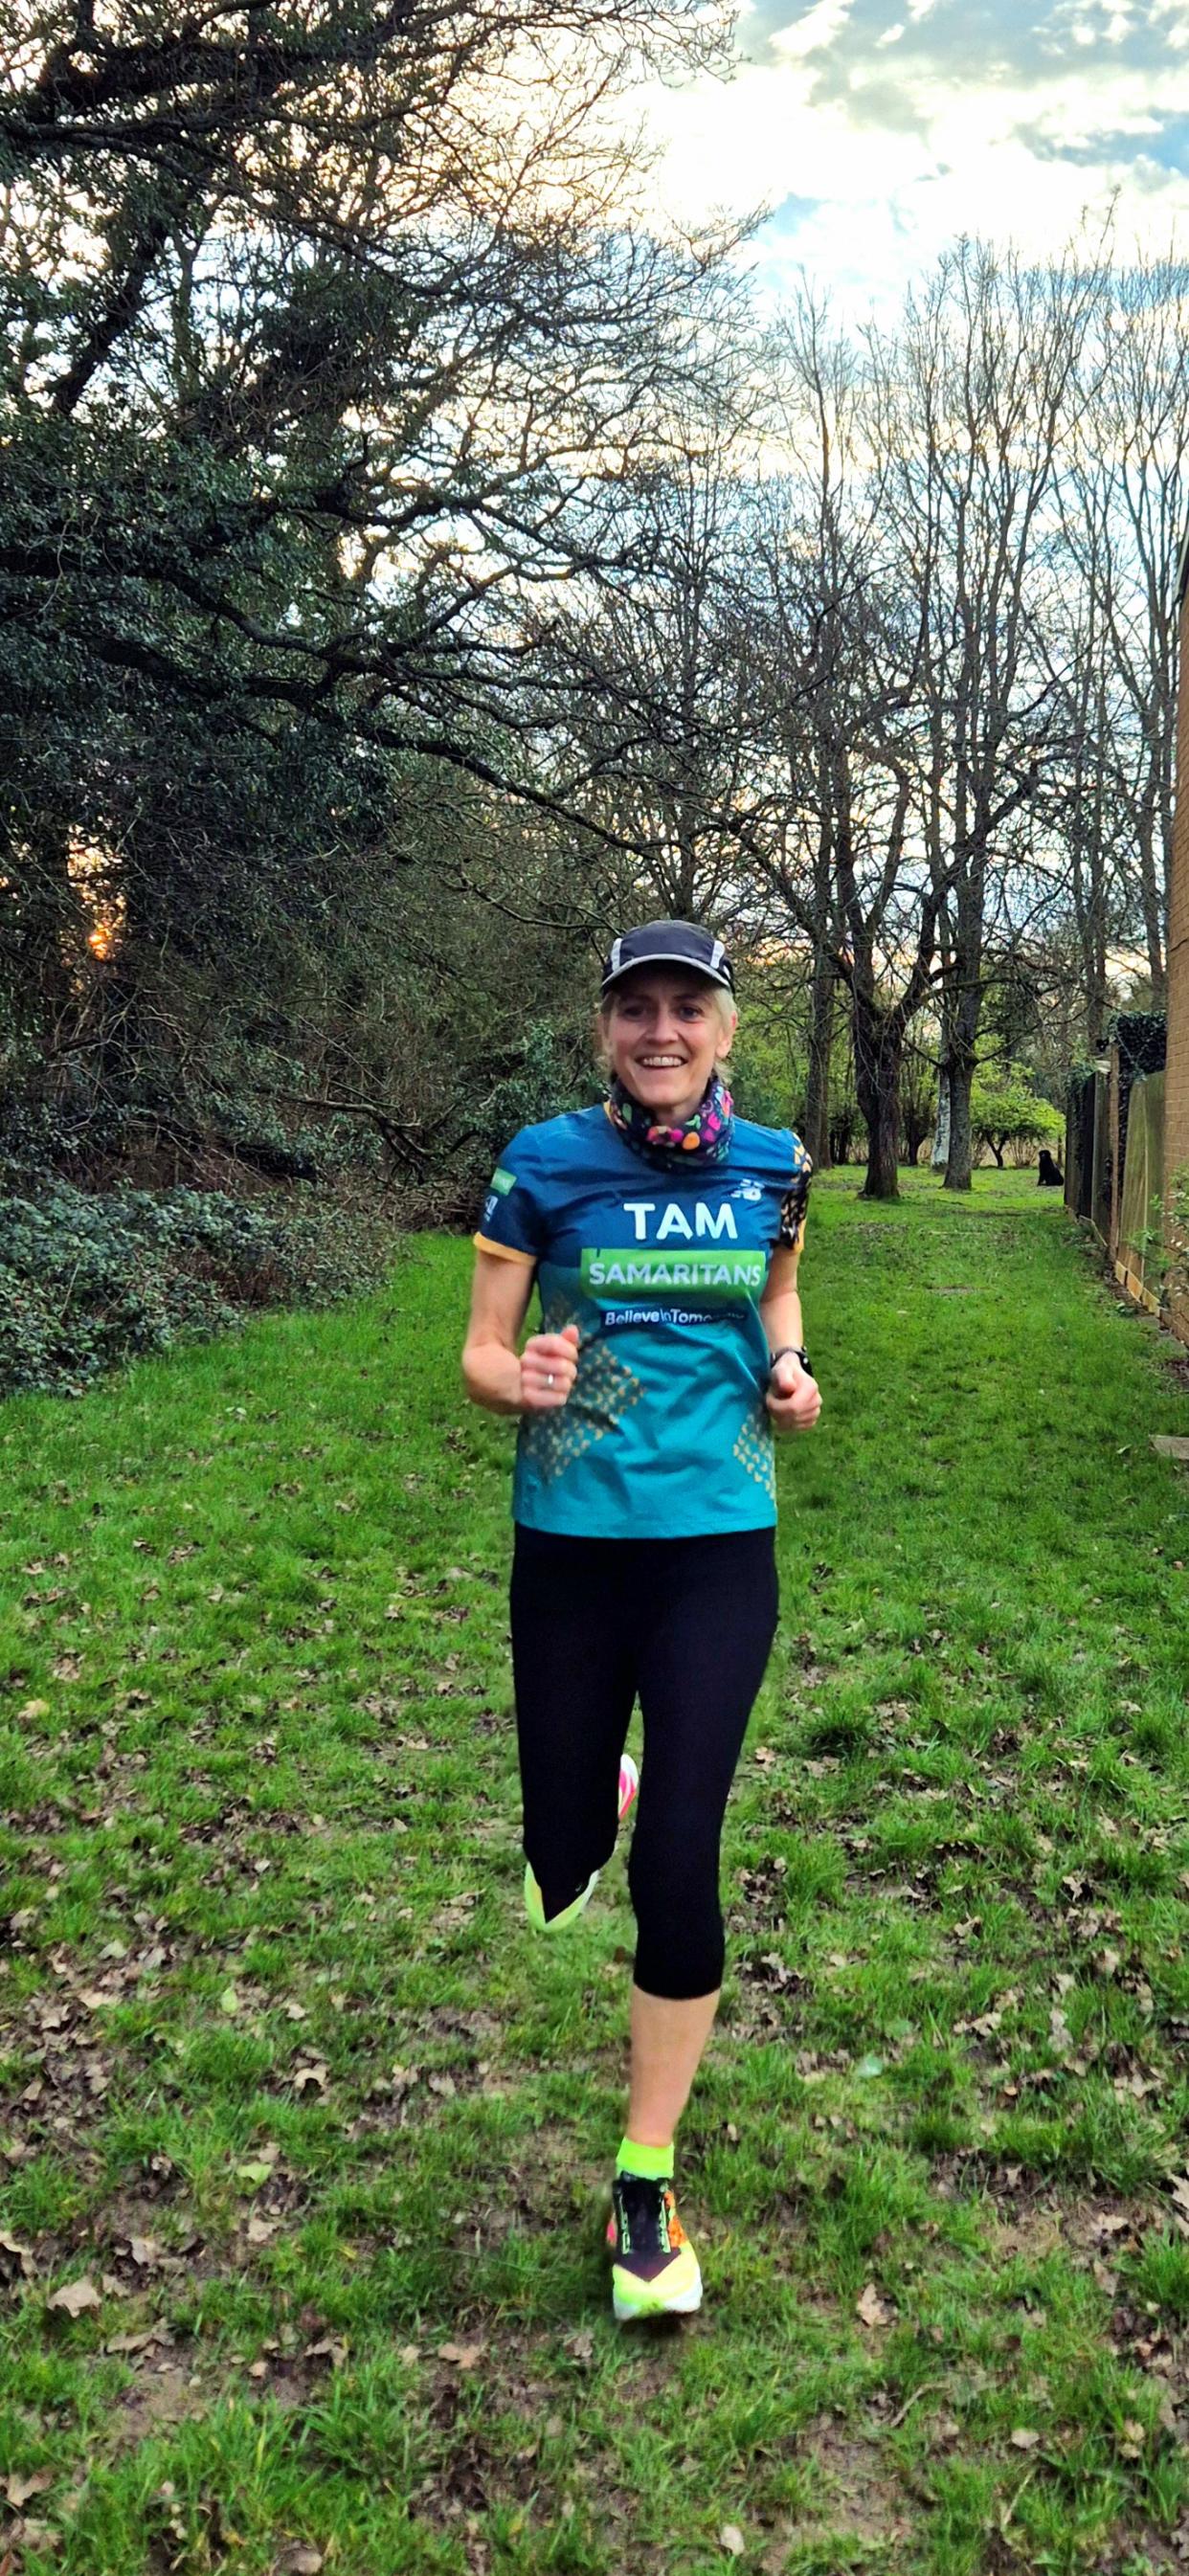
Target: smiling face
{"points": [[664, 1029]]}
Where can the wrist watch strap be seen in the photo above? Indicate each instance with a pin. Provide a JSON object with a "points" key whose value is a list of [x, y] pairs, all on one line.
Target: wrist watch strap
{"points": [[790, 1350]]}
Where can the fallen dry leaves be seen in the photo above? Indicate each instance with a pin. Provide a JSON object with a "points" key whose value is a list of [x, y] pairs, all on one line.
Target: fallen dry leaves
{"points": [[18, 2490], [76, 2297]]}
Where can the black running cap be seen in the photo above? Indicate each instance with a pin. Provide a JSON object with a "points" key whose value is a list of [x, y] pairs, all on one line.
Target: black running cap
{"points": [[669, 943]]}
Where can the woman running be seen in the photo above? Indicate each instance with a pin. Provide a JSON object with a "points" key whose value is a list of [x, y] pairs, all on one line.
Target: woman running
{"points": [[663, 1235]]}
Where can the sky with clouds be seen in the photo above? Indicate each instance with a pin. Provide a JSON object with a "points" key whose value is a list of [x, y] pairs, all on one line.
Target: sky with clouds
{"points": [[877, 131]]}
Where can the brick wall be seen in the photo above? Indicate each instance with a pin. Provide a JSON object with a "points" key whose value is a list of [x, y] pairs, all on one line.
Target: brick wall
{"points": [[1176, 1098]]}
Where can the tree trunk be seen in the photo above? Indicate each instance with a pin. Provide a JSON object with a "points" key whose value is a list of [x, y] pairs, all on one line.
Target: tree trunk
{"points": [[879, 1042], [1153, 908], [821, 1031], [958, 1167], [963, 1044], [914, 1136], [841, 1133], [941, 1133]]}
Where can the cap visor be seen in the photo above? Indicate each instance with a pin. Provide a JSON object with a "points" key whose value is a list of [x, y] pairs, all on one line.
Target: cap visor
{"points": [[665, 957]]}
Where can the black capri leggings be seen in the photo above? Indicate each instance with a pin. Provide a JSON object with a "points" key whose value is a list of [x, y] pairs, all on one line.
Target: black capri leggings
{"points": [[687, 1625]]}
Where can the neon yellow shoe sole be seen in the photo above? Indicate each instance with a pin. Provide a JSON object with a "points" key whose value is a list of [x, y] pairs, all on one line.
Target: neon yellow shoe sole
{"points": [[629, 1782], [535, 1910], [676, 2292], [654, 2269]]}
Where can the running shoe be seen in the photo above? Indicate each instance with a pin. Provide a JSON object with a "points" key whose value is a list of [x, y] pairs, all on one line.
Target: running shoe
{"points": [[654, 2269], [629, 1782]]}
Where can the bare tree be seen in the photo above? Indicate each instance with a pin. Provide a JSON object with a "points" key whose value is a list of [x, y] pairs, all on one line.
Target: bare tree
{"points": [[980, 389], [1126, 493], [843, 644], [1083, 798], [656, 672]]}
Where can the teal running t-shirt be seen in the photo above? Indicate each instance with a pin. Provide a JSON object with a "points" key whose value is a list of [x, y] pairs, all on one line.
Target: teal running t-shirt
{"points": [[666, 1432]]}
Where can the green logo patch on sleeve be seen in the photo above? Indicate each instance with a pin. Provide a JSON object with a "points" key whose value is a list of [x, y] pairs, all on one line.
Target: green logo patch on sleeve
{"points": [[503, 1181]]}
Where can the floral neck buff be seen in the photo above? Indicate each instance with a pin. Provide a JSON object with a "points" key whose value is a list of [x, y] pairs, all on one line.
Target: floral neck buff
{"points": [[704, 1138]]}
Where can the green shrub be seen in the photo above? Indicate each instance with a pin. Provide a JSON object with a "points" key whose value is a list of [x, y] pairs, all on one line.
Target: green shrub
{"points": [[87, 1280], [1005, 1112]]}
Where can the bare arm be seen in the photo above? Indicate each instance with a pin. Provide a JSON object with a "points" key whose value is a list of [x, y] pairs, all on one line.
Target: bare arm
{"points": [[780, 1305], [539, 1379], [793, 1398]]}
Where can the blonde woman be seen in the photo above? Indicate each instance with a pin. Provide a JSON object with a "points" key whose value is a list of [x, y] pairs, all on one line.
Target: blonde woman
{"points": [[663, 1235]]}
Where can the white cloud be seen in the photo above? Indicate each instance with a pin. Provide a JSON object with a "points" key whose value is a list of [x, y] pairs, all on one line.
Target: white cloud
{"points": [[815, 31], [874, 154]]}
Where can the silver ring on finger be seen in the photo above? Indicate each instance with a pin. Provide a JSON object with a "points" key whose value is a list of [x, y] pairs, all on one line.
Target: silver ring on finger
{"points": [[548, 1377]]}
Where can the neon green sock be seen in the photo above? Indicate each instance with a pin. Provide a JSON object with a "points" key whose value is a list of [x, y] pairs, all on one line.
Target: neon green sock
{"points": [[653, 2164]]}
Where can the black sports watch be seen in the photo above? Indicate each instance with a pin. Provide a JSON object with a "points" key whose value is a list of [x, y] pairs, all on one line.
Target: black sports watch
{"points": [[790, 1350]]}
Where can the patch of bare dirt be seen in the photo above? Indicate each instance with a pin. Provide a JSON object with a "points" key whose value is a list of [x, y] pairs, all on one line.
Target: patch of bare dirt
{"points": [[1155, 2551], [854, 2496], [406, 2095], [159, 2396], [474, 2476], [1099, 2228]]}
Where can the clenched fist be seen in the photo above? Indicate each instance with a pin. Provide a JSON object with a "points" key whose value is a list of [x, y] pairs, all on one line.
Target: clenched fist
{"points": [[793, 1397], [548, 1368]]}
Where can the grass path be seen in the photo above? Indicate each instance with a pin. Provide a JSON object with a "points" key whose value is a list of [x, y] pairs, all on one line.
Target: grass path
{"points": [[303, 2138]]}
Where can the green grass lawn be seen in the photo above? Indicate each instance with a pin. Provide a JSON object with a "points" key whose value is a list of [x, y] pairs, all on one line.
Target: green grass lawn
{"points": [[319, 2134]]}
